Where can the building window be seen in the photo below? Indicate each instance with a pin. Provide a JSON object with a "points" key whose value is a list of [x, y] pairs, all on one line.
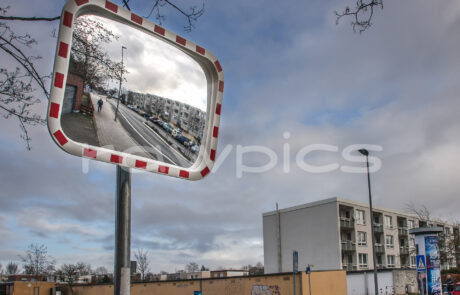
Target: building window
{"points": [[376, 219], [410, 224], [391, 261], [412, 242], [360, 218], [362, 241], [362, 260], [389, 241], [413, 261], [388, 221]]}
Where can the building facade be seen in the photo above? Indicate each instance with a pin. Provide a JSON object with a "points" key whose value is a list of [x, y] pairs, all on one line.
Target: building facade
{"points": [[336, 234], [190, 119]]}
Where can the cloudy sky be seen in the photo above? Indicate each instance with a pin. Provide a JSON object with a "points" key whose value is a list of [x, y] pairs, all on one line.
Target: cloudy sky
{"points": [[154, 66], [292, 78]]}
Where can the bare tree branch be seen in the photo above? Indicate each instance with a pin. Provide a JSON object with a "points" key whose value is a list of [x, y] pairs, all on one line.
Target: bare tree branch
{"points": [[422, 212], [362, 14], [17, 87], [125, 4], [191, 16], [30, 18]]}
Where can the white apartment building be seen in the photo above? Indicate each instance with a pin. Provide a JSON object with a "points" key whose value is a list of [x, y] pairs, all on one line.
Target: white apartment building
{"points": [[336, 234]]}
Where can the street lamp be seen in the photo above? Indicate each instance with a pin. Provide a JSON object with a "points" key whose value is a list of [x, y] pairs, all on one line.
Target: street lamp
{"points": [[121, 79], [365, 153]]}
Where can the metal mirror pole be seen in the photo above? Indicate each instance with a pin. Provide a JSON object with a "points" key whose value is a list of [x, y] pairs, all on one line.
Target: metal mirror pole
{"points": [[122, 271]]}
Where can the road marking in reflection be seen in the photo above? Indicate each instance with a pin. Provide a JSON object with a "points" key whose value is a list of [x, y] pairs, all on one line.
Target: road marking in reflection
{"points": [[150, 128], [147, 140], [159, 137]]}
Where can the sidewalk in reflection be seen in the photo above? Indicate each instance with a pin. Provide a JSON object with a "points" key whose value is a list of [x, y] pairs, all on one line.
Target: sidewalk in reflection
{"points": [[111, 132]]}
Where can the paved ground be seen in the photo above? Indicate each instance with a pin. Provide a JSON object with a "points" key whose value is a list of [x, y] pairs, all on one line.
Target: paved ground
{"points": [[136, 126], [111, 133], [80, 128]]}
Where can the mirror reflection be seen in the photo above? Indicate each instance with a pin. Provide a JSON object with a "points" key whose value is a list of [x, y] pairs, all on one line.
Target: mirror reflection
{"points": [[131, 92]]}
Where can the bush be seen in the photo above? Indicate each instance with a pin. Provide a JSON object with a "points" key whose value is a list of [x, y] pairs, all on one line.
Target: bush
{"points": [[450, 271]]}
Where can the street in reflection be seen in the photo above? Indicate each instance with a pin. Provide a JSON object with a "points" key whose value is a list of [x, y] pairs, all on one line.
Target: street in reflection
{"points": [[148, 100]]}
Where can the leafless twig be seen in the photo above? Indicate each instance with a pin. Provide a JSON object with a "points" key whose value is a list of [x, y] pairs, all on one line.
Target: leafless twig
{"points": [[362, 14], [191, 16]]}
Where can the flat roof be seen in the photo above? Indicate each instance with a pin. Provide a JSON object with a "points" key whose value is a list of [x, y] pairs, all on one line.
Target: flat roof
{"points": [[345, 202], [303, 206]]}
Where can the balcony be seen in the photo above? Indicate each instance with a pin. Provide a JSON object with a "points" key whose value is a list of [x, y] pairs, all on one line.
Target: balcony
{"points": [[378, 228], [348, 246], [402, 231], [347, 223], [349, 266], [379, 248], [403, 250]]}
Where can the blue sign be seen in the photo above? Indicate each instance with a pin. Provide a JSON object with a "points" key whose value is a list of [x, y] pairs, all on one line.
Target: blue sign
{"points": [[432, 252], [434, 281], [196, 292], [433, 275], [295, 262], [308, 270], [421, 263]]}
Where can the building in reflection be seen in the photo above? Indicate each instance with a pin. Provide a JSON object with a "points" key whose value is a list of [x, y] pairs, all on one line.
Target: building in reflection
{"points": [[190, 119]]}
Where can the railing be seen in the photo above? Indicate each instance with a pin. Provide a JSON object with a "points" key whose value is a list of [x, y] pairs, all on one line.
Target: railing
{"points": [[378, 228], [379, 248], [402, 231], [86, 110], [349, 266], [348, 246], [404, 250], [347, 223]]}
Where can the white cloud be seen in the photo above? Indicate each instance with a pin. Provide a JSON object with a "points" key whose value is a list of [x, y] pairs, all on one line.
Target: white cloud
{"points": [[156, 67]]}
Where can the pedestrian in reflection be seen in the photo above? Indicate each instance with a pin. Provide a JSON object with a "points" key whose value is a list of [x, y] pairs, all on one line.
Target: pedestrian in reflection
{"points": [[99, 105], [449, 282]]}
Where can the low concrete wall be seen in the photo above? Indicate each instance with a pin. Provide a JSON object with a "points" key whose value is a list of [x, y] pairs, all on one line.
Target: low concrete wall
{"points": [[390, 282], [28, 288], [322, 282], [403, 279], [362, 283]]}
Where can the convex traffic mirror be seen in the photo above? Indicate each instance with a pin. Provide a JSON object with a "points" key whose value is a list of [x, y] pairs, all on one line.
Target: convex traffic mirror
{"points": [[129, 92]]}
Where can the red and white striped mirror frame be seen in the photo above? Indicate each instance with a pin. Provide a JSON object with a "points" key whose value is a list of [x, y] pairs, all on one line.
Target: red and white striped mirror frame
{"points": [[208, 62]]}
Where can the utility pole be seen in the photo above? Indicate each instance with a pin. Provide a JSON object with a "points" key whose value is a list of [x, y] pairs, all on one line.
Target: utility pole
{"points": [[280, 262], [121, 80], [365, 152]]}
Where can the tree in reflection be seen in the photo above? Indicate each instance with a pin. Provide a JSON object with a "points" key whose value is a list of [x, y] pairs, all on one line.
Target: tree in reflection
{"points": [[23, 85], [88, 57]]}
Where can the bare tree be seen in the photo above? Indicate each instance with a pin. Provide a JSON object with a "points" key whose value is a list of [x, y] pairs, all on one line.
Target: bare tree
{"points": [[101, 270], [192, 267], [142, 262], [449, 242], [19, 84], [422, 211], [361, 14], [191, 16], [88, 56], [204, 268], [1, 269], [36, 260], [68, 273], [12, 268]]}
